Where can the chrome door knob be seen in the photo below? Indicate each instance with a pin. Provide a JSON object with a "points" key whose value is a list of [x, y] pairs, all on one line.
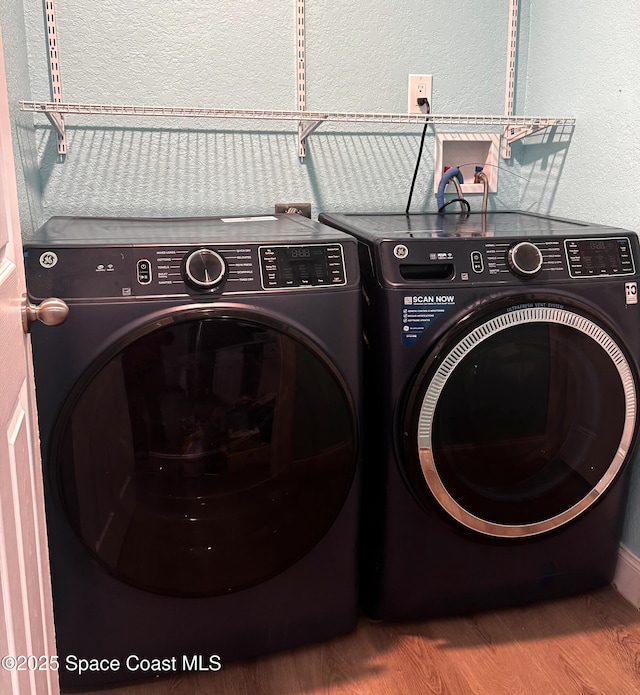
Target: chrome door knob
{"points": [[51, 312]]}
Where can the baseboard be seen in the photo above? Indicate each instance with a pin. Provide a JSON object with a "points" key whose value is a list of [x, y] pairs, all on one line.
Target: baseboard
{"points": [[627, 577]]}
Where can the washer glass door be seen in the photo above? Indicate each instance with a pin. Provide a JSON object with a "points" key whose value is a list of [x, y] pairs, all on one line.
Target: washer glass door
{"points": [[522, 421], [207, 455]]}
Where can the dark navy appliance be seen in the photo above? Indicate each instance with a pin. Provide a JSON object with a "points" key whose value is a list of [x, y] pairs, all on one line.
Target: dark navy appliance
{"points": [[502, 407], [200, 436]]}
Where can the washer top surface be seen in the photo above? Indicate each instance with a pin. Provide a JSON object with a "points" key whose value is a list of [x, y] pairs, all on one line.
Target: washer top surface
{"points": [[513, 224], [109, 231]]}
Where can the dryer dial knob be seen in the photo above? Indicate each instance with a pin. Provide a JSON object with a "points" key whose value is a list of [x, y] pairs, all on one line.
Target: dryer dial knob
{"points": [[524, 258], [203, 269]]}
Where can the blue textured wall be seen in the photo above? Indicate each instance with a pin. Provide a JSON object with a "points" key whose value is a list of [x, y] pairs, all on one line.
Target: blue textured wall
{"points": [[583, 62], [242, 55], [574, 59], [22, 125]]}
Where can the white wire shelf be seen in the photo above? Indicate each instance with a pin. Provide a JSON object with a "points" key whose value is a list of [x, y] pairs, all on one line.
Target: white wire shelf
{"points": [[516, 127]]}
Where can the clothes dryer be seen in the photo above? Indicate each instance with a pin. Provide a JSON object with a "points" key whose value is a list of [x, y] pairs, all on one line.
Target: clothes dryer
{"points": [[199, 419], [501, 412]]}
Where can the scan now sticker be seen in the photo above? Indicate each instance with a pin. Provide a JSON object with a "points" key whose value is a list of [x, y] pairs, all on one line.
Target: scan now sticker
{"points": [[420, 310], [422, 299]]}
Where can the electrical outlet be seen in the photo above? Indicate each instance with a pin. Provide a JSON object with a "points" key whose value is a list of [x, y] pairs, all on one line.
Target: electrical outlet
{"points": [[420, 87], [303, 209]]}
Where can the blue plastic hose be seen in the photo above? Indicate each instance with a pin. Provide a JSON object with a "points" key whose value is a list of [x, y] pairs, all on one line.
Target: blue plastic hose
{"points": [[447, 176]]}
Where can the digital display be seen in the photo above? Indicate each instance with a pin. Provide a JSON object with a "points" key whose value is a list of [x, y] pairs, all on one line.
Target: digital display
{"points": [[309, 265], [599, 257], [302, 252]]}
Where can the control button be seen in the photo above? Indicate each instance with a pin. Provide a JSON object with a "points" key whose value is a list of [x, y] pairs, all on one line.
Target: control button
{"points": [[524, 258], [477, 264], [143, 268], [203, 269]]}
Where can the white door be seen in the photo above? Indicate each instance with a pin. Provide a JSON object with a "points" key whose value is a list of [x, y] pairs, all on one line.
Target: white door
{"points": [[27, 645]]}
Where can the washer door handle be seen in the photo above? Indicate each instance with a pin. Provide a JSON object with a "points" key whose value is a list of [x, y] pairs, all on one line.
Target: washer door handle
{"points": [[51, 312]]}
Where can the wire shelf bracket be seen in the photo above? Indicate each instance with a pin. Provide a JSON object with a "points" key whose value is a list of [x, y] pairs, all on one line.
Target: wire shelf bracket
{"points": [[57, 121], [512, 134], [305, 128]]}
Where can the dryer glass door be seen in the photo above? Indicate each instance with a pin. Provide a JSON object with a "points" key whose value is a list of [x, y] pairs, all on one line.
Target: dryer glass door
{"points": [[207, 455], [523, 422]]}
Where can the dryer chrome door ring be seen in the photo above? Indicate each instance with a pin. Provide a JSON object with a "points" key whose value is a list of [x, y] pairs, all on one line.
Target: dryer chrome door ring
{"points": [[438, 381]]}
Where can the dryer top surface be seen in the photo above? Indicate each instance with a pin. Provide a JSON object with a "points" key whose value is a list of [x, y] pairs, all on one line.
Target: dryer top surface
{"points": [[108, 231]]}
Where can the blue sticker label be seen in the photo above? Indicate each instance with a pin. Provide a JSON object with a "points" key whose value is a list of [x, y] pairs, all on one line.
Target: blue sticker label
{"points": [[420, 310]]}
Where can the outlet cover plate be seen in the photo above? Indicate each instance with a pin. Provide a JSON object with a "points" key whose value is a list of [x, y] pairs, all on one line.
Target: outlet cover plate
{"points": [[296, 208], [420, 86]]}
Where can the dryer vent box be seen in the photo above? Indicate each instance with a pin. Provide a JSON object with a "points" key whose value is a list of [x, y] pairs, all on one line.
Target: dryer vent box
{"points": [[466, 151]]}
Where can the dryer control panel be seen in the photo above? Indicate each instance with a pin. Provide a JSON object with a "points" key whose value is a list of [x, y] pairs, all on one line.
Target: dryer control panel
{"points": [[94, 272]]}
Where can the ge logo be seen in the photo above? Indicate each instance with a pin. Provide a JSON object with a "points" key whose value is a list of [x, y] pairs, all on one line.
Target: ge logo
{"points": [[400, 251], [48, 259]]}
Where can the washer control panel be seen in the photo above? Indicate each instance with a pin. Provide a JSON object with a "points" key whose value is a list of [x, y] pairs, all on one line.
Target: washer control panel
{"points": [[504, 260], [524, 258]]}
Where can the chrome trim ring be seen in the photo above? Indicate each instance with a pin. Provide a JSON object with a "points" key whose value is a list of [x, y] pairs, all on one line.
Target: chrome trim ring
{"points": [[542, 314], [211, 282], [513, 261]]}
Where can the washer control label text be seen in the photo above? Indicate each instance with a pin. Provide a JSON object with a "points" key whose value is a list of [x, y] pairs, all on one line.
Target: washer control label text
{"points": [[420, 310]]}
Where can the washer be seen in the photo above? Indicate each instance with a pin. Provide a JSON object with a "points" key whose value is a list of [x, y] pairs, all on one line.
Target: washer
{"points": [[503, 386], [199, 419]]}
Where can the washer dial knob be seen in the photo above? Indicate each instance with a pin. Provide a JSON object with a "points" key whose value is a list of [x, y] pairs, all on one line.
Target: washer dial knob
{"points": [[524, 258], [204, 269]]}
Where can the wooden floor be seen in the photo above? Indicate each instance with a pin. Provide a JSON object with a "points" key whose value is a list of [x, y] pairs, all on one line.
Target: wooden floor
{"points": [[587, 644]]}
